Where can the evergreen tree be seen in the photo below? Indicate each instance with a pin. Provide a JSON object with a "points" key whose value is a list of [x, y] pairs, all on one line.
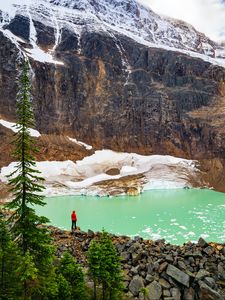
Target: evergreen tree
{"points": [[110, 269], [10, 262], [27, 227], [72, 286], [24, 180], [94, 258], [105, 267]]}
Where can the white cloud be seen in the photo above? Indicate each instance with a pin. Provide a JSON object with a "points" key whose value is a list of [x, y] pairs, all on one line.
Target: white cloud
{"points": [[207, 16]]}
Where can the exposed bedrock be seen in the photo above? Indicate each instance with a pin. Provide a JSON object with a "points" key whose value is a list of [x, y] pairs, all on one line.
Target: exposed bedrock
{"points": [[112, 92]]}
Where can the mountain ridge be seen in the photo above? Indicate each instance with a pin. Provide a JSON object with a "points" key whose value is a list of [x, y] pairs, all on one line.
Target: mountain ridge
{"points": [[129, 18]]}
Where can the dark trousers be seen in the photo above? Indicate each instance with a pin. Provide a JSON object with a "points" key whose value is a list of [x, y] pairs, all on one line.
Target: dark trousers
{"points": [[74, 225]]}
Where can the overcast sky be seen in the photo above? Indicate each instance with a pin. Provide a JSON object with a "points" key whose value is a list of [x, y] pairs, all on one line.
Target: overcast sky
{"points": [[208, 16]]}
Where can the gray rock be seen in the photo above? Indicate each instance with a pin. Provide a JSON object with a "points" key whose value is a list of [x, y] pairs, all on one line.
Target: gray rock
{"points": [[134, 270], [209, 250], [201, 274], [176, 294], [162, 267], [154, 291], [136, 257], [135, 285], [197, 254], [210, 282], [221, 272], [178, 275], [166, 293], [206, 293], [138, 239], [120, 247], [90, 233], [125, 256], [129, 296], [165, 284], [169, 258], [189, 294], [202, 243], [150, 268], [181, 265], [149, 278]]}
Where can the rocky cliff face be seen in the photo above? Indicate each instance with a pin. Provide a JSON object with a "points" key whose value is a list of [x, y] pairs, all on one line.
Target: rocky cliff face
{"points": [[121, 78]]}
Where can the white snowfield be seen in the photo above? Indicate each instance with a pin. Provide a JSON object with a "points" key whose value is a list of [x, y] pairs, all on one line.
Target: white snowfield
{"points": [[114, 18], [12, 125], [67, 177]]}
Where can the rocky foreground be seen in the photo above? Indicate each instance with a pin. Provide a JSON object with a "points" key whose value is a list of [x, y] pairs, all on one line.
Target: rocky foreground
{"points": [[188, 272]]}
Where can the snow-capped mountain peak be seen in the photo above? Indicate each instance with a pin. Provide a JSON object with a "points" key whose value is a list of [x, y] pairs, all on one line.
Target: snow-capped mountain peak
{"points": [[111, 17]]}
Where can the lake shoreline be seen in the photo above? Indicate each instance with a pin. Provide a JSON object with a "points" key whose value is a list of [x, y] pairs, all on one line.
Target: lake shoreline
{"points": [[182, 272], [167, 271]]}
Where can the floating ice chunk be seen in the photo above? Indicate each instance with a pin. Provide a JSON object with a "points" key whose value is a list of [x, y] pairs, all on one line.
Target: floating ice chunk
{"points": [[183, 227]]}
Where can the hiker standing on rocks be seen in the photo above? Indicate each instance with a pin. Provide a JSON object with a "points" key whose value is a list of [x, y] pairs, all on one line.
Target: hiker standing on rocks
{"points": [[74, 220]]}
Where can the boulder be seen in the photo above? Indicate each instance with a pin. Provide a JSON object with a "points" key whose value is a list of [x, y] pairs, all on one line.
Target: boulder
{"points": [[207, 293], [209, 250], [136, 284], [201, 274], [176, 294], [202, 243], [162, 267], [165, 284], [210, 282], [154, 291], [125, 256], [90, 233], [149, 278], [221, 272], [178, 275]]}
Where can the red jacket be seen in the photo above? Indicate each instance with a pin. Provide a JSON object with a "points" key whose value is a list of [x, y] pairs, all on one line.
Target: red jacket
{"points": [[73, 217]]}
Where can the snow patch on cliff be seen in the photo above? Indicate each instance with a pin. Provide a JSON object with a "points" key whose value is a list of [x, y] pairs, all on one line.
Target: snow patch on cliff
{"points": [[88, 147], [12, 126]]}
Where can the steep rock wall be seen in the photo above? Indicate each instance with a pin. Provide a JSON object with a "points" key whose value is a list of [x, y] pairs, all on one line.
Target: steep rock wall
{"points": [[112, 92]]}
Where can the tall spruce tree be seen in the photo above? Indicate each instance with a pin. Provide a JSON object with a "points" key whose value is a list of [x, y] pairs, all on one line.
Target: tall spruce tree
{"points": [[27, 227], [25, 179]]}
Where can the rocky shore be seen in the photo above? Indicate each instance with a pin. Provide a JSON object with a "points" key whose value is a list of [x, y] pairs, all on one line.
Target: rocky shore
{"points": [[157, 269]]}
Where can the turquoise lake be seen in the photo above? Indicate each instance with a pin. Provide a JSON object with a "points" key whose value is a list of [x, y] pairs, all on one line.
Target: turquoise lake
{"points": [[176, 215]]}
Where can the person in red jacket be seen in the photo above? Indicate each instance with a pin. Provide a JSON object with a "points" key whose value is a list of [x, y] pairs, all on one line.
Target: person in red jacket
{"points": [[74, 220]]}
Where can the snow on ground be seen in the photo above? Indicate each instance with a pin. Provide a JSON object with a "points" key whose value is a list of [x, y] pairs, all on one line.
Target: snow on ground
{"points": [[67, 177], [13, 127], [88, 147]]}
